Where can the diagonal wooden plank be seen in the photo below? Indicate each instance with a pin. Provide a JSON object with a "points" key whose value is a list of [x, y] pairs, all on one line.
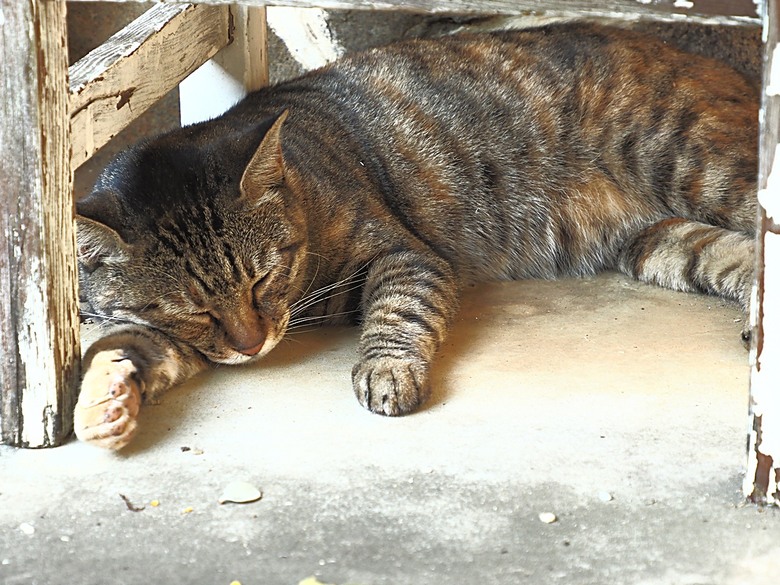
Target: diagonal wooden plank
{"points": [[119, 80]]}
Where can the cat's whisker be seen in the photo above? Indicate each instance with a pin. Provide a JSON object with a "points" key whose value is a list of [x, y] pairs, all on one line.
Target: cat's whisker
{"points": [[302, 321], [104, 319], [291, 334], [322, 293], [319, 295], [319, 257], [329, 286], [297, 310], [317, 254]]}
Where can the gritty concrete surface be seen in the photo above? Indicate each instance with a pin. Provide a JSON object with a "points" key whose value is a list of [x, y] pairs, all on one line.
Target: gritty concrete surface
{"points": [[618, 407]]}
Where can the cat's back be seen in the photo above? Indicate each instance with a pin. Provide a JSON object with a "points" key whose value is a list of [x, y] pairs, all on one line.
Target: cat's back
{"points": [[482, 68], [499, 141]]}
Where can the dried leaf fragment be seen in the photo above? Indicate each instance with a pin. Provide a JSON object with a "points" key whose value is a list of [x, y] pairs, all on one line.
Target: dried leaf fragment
{"points": [[240, 492], [130, 505]]}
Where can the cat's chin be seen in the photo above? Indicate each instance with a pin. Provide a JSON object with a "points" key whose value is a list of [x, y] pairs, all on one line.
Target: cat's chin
{"points": [[237, 358]]}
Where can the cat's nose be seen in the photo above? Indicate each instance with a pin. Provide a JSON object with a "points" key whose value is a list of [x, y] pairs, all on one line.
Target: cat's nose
{"points": [[250, 351], [245, 334]]}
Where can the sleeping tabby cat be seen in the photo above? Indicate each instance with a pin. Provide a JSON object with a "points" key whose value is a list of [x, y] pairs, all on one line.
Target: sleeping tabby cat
{"points": [[376, 187]]}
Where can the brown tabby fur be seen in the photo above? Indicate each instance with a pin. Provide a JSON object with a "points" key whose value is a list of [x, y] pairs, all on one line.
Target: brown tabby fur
{"points": [[377, 186]]}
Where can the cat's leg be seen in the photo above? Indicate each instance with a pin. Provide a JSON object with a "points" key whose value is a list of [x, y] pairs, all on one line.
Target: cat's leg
{"points": [[409, 300], [687, 255], [121, 370]]}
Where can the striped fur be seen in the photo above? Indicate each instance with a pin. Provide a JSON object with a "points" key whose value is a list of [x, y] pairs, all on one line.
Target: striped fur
{"points": [[374, 188]]}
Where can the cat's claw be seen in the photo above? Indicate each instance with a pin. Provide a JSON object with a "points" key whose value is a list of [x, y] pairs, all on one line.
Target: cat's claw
{"points": [[391, 386], [107, 410], [747, 335]]}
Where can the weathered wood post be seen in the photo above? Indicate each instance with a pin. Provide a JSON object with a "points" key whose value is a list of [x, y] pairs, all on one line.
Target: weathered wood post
{"points": [[39, 343], [237, 69], [762, 481]]}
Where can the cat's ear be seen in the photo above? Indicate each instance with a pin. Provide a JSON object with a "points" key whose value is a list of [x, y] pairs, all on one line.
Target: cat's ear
{"points": [[266, 168], [98, 243]]}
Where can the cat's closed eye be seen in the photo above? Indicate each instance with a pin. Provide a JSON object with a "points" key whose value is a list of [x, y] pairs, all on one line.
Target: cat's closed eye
{"points": [[204, 316], [260, 282]]}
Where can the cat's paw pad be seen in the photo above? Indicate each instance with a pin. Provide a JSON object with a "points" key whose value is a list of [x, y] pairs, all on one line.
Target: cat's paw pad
{"points": [[107, 410], [391, 386]]}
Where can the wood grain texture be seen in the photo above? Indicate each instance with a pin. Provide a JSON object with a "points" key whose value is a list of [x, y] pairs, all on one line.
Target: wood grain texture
{"points": [[734, 11], [119, 80], [249, 49], [38, 308]]}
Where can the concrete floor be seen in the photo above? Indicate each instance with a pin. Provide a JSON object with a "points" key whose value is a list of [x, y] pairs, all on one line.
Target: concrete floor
{"points": [[552, 397]]}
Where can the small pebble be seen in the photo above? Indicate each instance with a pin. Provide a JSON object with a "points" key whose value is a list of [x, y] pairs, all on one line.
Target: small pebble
{"points": [[154, 503], [187, 510], [548, 517], [28, 529], [605, 497], [240, 492]]}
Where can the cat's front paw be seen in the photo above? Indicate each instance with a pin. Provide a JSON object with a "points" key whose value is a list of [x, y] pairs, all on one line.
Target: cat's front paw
{"points": [[391, 386], [107, 410]]}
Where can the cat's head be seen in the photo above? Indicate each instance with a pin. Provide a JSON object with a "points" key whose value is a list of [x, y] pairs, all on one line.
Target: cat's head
{"points": [[183, 235]]}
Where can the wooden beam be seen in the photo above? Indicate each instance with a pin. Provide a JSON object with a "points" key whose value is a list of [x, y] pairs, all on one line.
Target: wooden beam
{"points": [[39, 341], [119, 80], [239, 68], [724, 11], [248, 52], [762, 481]]}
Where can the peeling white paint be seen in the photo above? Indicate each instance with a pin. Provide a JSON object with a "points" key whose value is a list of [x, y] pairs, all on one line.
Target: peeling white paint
{"points": [[765, 379], [769, 197], [2, 16], [759, 4], [306, 34], [773, 86], [34, 346], [683, 4]]}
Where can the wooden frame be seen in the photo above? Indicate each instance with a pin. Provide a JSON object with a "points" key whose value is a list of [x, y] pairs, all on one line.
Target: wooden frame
{"points": [[38, 313], [762, 480]]}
